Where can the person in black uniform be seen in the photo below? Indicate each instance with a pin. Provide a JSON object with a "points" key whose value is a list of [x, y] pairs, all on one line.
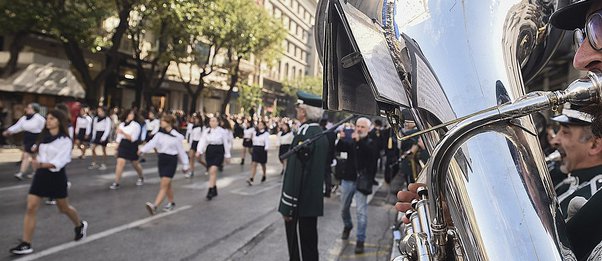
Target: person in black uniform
{"points": [[168, 143], [53, 148], [409, 148], [194, 137], [32, 124], [581, 158], [332, 137], [302, 198], [83, 129]]}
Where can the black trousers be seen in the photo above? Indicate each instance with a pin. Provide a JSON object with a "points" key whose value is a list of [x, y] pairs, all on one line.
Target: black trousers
{"points": [[302, 233]]}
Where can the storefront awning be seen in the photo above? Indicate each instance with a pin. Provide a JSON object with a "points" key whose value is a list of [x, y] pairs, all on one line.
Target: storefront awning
{"points": [[44, 79]]}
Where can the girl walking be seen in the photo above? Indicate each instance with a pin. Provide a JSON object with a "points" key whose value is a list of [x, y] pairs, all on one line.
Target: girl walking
{"points": [[168, 143], [32, 124], [101, 129], [261, 142], [247, 140], [83, 128], [214, 145], [286, 139], [128, 134], [194, 137], [53, 149]]}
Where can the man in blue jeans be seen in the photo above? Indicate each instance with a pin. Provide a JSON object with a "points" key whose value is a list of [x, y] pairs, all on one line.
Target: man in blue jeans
{"points": [[362, 154]]}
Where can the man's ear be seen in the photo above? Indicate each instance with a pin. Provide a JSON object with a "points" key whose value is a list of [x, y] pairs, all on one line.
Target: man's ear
{"points": [[596, 147]]}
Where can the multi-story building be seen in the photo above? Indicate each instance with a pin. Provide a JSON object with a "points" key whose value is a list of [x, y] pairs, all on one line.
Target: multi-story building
{"points": [[299, 57]]}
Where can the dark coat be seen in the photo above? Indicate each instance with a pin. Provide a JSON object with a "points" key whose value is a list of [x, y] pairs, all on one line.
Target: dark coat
{"points": [[584, 181], [302, 187], [361, 155]]}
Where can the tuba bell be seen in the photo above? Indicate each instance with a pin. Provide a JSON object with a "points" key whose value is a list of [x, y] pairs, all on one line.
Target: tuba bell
{"points": [[461, 68]]}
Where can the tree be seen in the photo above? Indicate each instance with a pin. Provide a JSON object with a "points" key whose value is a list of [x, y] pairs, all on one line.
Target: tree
{"points": [[18, 18], [206, 37], [310, 84], [250, 31], [76, 25], [250, 95], [156, 32]]}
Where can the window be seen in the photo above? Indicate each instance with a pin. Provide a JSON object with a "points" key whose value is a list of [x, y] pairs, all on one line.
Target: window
{"points": [[285, 70], [294, 72]]}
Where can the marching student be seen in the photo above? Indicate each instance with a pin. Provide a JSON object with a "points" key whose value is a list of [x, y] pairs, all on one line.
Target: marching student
{"points": [[83, 129], [128, 134], [168, 143], [224, 122], [261, 143], [286, 139], [53, 149], [152, 125], [194, 135], [247, 140], [214, 145], [101, 129], [32, 123]]}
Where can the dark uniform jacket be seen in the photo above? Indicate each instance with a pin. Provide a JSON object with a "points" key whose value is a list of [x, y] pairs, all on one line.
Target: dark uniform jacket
{"points": [[581, 183], [361, 155], [302, 186], [584, 229]]}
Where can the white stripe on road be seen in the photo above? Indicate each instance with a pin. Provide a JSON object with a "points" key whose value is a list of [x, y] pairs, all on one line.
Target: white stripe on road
{"points": [[129, 173], [100, 235], [14, 187]]}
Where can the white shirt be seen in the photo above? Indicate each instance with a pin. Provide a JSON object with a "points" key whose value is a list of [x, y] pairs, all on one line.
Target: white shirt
{"points": [[262, 140], [286, 139], [57, 153], [248, 133], [217, 136], [34, 125], [84, 122], [133, 129], [153, 126], [194, 133], [103, 125], [168, 144]]}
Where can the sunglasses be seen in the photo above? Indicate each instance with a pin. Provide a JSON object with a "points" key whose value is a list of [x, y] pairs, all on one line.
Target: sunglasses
{"points": [[592, 31]]}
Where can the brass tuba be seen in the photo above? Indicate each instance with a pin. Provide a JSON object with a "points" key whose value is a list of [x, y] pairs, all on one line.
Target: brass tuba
{"points": [[461, 67]]}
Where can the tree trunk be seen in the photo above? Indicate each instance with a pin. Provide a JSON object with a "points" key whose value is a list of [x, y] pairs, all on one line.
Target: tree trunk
{"points": [[76, 56], [233, 80], [16, 46]]}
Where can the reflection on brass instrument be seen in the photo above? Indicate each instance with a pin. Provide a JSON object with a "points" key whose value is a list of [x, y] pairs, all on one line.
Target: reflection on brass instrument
{"points": [[461, 68]]}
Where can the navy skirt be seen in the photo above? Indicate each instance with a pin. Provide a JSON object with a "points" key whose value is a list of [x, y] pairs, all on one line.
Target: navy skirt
{"points": [[167, 165], [29, 139], [215, 155], [48, 184], [81, 135], [194, 145], [98, 137], [247, 143], [284, 148], [260, 155], [127, 150]]}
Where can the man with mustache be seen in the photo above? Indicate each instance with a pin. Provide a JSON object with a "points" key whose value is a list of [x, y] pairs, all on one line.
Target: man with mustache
{"points": [[581, 155]]}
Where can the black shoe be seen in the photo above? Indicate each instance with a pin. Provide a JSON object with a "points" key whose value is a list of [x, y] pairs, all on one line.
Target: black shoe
{"points": [[242, 162], [23, 248], [263, 179], [374, 182], [210, 194], [250, 181], [81, 230], [142, 160], [215, 191], [359, 247], [345, 234]]}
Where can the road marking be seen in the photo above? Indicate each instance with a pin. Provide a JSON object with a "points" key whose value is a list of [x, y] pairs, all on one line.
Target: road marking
{"points": [[336, 250], [15, 187], [100, 235], [254, 190], [129, 173]]}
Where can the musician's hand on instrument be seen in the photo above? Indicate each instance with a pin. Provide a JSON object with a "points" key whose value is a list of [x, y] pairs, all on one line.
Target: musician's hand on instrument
{"points": [[405, 198]]}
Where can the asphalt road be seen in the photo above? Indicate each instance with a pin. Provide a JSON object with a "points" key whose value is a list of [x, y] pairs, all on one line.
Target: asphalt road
{"points": [[242, 223]]}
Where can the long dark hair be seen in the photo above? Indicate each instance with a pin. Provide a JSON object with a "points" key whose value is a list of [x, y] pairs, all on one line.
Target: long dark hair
{"points": [[63, 130], [225, 123]]}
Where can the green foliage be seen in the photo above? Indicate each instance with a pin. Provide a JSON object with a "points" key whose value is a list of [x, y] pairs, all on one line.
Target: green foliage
{"points": [[250, 95], [308, 84]]}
